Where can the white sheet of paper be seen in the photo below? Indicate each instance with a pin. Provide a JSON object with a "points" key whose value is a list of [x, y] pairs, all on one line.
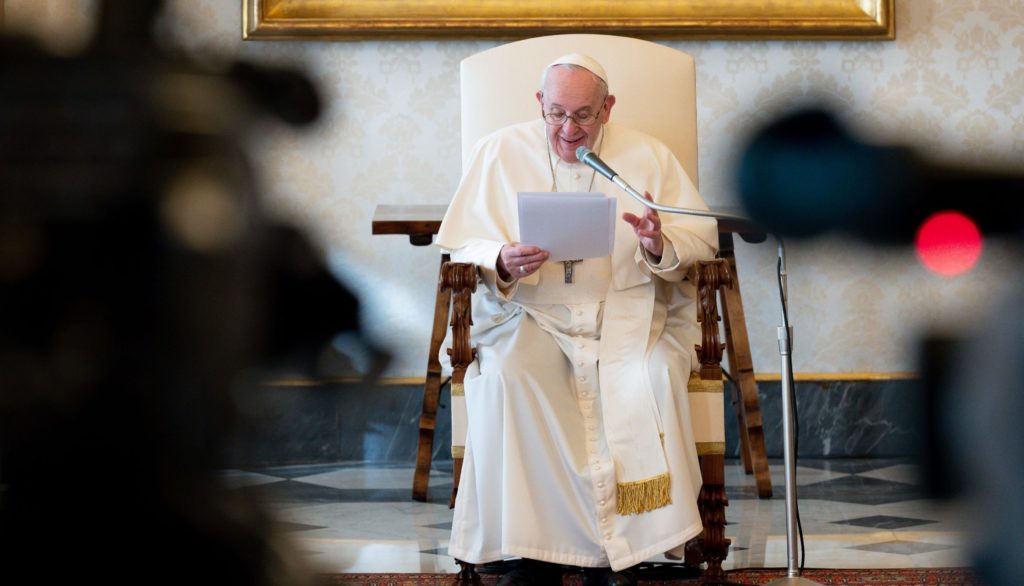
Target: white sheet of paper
{"points": [[568, 225]]}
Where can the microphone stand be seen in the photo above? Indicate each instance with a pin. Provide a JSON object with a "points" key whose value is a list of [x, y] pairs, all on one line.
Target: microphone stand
{"points": [[785, 334]]}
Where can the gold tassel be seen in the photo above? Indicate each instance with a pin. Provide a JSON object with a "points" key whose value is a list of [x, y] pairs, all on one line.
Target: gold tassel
{"points": [[645, 495]]}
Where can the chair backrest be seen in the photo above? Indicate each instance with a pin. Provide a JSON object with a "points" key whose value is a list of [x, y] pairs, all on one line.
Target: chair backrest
{"points": [[654, 86]]}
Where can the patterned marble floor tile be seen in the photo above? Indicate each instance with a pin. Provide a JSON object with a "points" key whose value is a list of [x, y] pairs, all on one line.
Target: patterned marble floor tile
{"points": [[356, 518], [903, 547], [744, 485], [298, 471], [955, 557], [816, 516], [299, 491], [372, 521], [929, 535], [860, 551], [948, 516], [849, 465], [885, 522], [373, 478], [907, 473], [861, 490], [297, 527], [343, 556], [447, 526], [242, 478]]}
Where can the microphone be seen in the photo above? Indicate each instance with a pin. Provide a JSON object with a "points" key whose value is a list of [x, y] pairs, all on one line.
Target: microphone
{"points": [[590, 159], [742, 224]]}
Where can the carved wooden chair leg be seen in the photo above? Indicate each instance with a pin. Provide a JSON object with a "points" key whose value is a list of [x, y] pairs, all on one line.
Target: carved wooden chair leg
{"points": [[747, 404], [712, 499], [431, 394], [460, 280], [712, 546]]}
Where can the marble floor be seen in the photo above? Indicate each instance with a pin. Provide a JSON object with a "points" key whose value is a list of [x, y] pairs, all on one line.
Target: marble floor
{"points": [[862, 513]]}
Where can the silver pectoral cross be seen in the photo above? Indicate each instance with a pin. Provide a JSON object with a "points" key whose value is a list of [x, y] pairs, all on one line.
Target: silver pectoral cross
{"points": [[568, 268]]}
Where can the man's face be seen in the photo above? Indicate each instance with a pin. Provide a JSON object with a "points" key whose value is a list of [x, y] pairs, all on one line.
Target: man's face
{"points": [[576, 92]]}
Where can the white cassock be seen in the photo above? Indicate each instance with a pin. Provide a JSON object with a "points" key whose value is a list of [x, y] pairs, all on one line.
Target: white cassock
{"points": [[579, 448]]}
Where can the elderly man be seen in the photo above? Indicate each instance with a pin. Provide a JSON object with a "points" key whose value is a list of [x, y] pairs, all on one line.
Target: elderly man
{"points": [[579, 449]]}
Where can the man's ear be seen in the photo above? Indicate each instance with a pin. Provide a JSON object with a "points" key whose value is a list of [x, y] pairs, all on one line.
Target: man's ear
{"points": [[608, 103]]}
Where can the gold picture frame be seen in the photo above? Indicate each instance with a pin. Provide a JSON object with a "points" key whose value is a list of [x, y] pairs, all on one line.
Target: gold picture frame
{"points": [[680, 19]]}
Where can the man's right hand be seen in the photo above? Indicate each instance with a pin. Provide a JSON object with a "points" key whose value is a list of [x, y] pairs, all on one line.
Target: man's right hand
{"points": [[516, 261]]}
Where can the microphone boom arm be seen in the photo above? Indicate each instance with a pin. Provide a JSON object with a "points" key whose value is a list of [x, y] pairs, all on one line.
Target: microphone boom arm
{"points": [[587, 157]]}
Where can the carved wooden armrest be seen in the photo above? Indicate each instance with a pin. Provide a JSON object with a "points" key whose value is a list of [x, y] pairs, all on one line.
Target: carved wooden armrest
{"points": [[711, 276], [460, 279]]}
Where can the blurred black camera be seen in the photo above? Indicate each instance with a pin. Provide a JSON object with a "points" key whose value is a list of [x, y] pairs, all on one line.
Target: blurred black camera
{"points": [[140, 285], [805, 175]]}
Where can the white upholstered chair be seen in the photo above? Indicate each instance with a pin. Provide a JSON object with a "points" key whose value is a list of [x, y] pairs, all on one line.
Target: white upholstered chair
{"points": [[655, 87], [655, 90]]}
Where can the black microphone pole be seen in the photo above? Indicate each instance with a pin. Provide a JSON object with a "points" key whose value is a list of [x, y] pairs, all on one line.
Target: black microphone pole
{"points": [[785, 334]]}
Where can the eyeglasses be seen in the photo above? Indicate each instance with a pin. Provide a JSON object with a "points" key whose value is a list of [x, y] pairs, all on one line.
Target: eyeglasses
{"points": [[558, 118]]}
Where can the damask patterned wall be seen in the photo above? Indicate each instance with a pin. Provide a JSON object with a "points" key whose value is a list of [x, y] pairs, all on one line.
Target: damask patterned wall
{"points": [[952, 83]]}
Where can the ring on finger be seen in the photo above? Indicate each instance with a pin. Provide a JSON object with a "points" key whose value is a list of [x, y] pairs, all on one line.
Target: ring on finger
{"points": [[522, 269]]}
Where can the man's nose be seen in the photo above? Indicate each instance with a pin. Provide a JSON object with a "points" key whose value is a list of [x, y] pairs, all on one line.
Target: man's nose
{"points": [[570, 123]]}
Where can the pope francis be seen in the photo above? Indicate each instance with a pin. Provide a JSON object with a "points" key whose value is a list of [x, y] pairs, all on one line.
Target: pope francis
{"points": [[579, 448]]}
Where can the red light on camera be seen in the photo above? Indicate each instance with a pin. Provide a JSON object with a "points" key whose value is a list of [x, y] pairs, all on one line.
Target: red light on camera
{"points": [[948, 243]]}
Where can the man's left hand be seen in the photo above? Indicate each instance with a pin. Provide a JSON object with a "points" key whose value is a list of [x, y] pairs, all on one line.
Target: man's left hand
{"points": [[648, 229]]}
